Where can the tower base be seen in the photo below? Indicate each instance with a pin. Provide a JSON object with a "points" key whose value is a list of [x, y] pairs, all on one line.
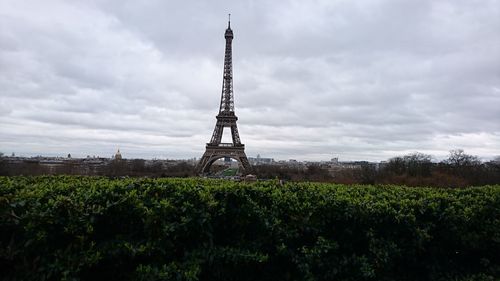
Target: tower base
{"points": [[213, 153]]}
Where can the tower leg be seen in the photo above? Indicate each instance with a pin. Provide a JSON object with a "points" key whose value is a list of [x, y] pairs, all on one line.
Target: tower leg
{"points": [[202, 163]]}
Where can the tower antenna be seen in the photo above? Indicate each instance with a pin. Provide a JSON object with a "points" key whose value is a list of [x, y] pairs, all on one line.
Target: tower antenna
{"points": [[229, 21]]}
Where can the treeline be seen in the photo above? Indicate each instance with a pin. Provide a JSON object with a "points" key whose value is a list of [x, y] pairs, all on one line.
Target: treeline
{"points": [[111, 168], [138, 168], [417, 169], [459, 169]]}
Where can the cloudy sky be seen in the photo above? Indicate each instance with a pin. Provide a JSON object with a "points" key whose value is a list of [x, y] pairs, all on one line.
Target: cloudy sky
{"points": [[358, 80]]}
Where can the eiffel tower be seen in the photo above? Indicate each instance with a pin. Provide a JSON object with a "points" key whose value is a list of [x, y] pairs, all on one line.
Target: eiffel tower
{"points": [[226, 118]]}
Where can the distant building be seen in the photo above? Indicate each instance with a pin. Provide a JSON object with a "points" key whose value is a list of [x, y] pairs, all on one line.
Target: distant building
{"points": [[260, 160], [118, 155], [226, 162]]}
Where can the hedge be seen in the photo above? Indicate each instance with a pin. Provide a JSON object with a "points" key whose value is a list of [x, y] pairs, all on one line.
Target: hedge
{"points": [[93, 228]]}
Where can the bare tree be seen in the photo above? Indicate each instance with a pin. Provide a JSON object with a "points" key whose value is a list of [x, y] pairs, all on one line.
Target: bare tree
{"points": [[415, 164], [418, 164], [458, 159], [496, 159]]}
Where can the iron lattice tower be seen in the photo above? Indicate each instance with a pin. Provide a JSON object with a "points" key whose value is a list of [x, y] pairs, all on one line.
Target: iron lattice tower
{"points": [[226, 118]]}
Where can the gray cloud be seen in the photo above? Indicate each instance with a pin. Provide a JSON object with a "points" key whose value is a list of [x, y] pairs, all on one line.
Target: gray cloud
{"points": [[313, 80]]}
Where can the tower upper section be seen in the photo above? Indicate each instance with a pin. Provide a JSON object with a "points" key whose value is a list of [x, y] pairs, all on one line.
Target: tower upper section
{"points": [[227, 98]]}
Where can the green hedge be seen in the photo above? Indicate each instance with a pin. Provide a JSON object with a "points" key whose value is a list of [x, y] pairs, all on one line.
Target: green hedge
{"points": [[88, 228]]}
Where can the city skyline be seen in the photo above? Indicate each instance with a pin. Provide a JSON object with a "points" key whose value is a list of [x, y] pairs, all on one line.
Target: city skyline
{"points": [[312, 81]]}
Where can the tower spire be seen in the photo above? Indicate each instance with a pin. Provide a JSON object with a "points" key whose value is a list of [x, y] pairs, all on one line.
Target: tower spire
{"points": [[229, 21]]}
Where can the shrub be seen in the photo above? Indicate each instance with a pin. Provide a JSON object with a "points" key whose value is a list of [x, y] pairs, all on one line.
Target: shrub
{"points": [[90, 228]]}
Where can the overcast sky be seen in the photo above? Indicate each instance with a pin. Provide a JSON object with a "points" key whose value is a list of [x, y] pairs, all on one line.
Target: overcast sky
{"points": [[358, 80]]}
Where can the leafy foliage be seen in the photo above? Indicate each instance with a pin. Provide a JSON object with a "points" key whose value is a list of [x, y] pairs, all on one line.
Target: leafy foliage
{"points": [[91, 228]]}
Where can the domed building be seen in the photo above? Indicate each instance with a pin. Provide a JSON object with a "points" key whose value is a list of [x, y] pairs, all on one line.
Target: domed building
{"points": [[118, 155]]}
